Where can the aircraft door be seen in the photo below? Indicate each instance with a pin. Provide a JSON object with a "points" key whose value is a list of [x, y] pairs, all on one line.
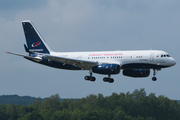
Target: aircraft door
{"points": [[151, 57]]}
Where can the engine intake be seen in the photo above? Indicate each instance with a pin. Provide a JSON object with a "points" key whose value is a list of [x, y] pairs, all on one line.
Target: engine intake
{"points": [[106, 69], [136, 72]]}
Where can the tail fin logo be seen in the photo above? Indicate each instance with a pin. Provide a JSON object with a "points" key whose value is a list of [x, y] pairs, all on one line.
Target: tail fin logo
{"points": [[36, 44]]}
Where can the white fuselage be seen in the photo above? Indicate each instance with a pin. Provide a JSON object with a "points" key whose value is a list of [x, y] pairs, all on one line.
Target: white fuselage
{"points": [[152, 57]]}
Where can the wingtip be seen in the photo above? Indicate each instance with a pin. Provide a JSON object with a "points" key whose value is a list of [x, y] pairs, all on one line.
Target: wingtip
{"points": [[7, 52]]}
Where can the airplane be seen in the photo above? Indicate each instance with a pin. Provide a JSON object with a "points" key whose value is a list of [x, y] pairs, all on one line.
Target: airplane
{"points": [[135, 64]]}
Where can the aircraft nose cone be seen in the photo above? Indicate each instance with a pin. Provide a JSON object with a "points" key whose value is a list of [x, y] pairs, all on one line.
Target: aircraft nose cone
{"points": [[173, 62]]}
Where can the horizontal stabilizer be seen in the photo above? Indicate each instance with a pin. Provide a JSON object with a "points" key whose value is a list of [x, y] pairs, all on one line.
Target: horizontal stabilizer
{"points": [[37, 59]]}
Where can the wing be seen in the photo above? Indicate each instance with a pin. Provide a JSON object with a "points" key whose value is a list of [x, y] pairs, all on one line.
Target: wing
{"points": [[37, 59], [85, 65]]}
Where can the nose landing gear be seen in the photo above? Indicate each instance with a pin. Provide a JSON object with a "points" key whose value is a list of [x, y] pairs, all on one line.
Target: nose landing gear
{"points": [[154, 74]]}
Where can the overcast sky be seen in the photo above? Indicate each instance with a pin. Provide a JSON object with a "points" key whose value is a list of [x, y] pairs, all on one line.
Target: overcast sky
{"points": [[88, 25]]}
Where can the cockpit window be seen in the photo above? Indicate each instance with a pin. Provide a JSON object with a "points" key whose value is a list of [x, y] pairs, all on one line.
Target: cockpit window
{"points": [[165, 55], [168, 55]]}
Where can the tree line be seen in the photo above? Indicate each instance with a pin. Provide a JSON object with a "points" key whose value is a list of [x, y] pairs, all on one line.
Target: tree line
{"points": [[16, 100], [123, 106]]}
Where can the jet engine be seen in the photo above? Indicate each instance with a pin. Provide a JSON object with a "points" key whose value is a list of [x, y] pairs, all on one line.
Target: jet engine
{"points": [[106, 69], [136, 72]]}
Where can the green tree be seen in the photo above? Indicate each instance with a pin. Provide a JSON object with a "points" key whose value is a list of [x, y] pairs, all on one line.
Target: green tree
{"points": [[46, 114], [67, 104], [152, 106], [34, 116], [37, 103], [61, 115], [140, 118], [119, 114], [52, 103], [92, 101], [77, 115], [101, 101], [11, 111]]}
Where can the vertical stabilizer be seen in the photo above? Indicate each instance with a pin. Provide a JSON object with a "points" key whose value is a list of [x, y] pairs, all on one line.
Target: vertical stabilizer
{"points": [[35, 42]]}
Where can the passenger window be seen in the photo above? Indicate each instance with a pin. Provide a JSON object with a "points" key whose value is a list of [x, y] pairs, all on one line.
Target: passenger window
{"points": [[162, 55]]}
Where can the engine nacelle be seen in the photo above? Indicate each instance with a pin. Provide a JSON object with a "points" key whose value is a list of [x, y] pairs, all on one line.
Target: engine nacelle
{"points": [[136, 72], [106, 69]]}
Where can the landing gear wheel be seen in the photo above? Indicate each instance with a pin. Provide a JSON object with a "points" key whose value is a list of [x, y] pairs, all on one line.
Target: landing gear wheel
{"points": [[92, 79], [87, 77], [154, 78], [107, 79], [111, 80]]}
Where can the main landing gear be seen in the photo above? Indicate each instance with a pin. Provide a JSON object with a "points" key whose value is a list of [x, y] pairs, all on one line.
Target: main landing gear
{"points": [[105, 79], [90, 78], [108, 79], [154, 74]]}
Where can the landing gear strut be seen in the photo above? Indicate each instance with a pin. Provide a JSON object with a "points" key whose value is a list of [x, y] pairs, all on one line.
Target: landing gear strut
{"points": [[90, 78], [108, 79], [154, 78]]}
